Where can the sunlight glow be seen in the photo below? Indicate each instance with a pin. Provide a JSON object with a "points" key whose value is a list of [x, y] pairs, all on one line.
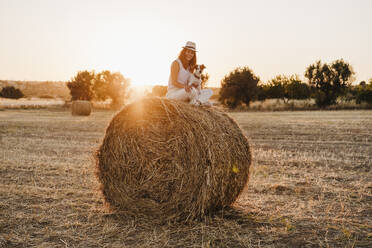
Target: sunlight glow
{"points": [[139, 91], [52, 40]]}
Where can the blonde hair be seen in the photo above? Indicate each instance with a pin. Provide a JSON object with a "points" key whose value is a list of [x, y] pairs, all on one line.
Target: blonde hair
{"points": [[188, 65]]}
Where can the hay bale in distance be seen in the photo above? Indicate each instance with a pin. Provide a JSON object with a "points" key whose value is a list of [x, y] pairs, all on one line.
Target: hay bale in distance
{"points": [[80, 107], [172, 161]]}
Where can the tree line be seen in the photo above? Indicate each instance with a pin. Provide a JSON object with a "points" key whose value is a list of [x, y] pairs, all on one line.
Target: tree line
{"points": [[325, 83]]}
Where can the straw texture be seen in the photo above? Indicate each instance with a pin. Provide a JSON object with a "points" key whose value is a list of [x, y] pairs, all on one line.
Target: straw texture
{"points": [[172, 161], [80, 107]]}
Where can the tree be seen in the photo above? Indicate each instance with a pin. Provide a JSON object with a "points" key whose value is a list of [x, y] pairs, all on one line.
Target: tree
{"points": [[240, 86], [296, 89], [111, 85], [11, 92], [363, 93], [276, 87], [99, 86], [285, 88], [81, 86], [262, 90], [330, 80]]}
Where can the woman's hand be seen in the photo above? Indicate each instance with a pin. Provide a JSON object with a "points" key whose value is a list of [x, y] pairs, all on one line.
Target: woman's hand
{"points": [[187, 88]]}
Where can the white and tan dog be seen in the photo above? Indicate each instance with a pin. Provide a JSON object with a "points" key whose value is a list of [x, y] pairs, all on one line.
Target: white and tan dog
{"points": [[201, 95], [195, 79]]}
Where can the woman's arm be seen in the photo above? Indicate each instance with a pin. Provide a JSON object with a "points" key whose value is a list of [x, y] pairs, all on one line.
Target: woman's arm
{"points": [[175, 68]]}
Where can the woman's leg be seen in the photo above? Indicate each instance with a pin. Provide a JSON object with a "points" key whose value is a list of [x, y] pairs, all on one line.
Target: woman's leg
{"points": [[178, 94], [194, 96], [204, 96]]}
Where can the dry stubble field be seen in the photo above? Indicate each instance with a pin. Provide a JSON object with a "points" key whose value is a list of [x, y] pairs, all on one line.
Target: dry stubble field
{"points": [[310, 186]]}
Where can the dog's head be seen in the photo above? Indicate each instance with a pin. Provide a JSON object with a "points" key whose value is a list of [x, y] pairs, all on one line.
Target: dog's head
{"points": [[198, 70]]}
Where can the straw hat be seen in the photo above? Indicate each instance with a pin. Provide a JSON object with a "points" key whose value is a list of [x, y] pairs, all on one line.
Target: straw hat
{"points": [[190, 45]]}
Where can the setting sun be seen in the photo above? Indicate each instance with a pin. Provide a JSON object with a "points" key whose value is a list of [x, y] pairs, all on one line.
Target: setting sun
{"points": [[52, 40]]}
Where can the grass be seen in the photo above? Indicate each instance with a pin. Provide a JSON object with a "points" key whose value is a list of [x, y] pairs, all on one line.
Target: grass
{"points": [[311, 185], [298, 105], [32, 103]]}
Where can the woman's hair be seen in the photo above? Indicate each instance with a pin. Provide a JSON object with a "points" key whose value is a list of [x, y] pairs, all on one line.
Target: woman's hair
{"points": [[188, 65]]}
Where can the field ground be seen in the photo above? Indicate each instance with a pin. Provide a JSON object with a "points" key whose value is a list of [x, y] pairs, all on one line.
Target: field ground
{"points": [[310, 186], [32, 103]]}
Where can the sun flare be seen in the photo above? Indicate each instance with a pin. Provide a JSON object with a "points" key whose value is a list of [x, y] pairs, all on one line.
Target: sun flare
{"points": [[139, 91]]}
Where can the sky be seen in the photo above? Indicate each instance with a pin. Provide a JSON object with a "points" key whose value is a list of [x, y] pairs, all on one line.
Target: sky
{"points": [[53, 40]]}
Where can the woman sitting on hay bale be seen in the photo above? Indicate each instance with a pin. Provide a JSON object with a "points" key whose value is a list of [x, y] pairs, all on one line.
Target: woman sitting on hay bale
{"points": [[181, 70]]}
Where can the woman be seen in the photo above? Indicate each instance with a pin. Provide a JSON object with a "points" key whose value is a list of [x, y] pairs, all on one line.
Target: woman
{"points": [[181, 70]]}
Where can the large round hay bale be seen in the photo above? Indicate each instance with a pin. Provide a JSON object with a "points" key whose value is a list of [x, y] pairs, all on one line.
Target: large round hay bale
{"points": [[169, 160], [80, 107]]}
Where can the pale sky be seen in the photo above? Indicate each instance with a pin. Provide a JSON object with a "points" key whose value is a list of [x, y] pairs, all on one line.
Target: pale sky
{"points": [[53, 39]]}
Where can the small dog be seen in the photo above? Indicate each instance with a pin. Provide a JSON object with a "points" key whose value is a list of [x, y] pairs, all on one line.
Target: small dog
{"points": [[194, 83], [195, 79]]}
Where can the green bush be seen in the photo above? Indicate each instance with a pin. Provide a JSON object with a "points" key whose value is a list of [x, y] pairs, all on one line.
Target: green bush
{"points": [[240, 86], [285, 88], [11, 92], [88, 85], [330, 80], [297, 90], [81, 86], [275, 89], [363, 93]]}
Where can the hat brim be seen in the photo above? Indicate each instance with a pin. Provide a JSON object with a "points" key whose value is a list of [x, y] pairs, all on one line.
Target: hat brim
{"points": [[190, 48]]}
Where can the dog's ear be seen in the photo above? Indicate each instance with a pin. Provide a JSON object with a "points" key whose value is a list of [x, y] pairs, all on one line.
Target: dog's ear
{"points": [[202, 67]]}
